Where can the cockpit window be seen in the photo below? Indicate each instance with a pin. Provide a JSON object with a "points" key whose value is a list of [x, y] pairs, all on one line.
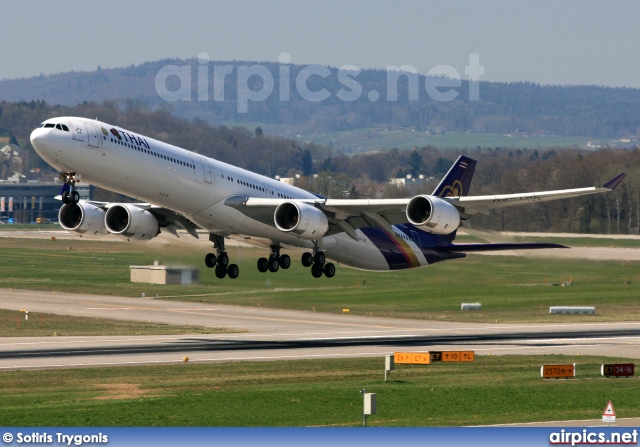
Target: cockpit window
{"points": [[58, 126], [41, 125]]}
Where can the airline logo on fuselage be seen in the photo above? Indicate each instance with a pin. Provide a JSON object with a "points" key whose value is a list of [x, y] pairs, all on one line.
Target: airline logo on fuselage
{"points": [[129, 138]]}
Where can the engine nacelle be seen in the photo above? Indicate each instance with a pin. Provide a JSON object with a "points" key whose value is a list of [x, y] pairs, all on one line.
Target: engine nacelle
{"points": [[434, 214], [303, 220], [132, 222], [82, 217]]}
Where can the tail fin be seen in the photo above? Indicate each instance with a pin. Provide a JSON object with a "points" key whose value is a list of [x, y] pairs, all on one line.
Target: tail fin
{"points": [[458, 180]]}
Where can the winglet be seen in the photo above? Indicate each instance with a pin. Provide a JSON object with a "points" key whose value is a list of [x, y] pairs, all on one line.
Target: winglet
{"points": [[613, 184]]}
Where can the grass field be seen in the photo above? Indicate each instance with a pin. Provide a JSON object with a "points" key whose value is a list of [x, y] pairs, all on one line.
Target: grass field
{"points": [[372, 139], [32, 227], [14, 324], [492, 390], [511, 289]]}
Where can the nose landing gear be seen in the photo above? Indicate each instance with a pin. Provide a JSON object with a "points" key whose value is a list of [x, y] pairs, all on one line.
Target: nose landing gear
{"points": [[69, 194]]}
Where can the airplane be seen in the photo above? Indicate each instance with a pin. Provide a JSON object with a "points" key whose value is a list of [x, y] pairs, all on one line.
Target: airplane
{"points": [[179, 188]]}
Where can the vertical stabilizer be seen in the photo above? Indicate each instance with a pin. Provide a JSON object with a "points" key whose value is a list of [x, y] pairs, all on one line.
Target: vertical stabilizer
{"points": [[458, 180]]}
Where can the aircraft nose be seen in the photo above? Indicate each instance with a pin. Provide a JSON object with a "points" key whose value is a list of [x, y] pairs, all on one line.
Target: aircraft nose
{"points": [[37, 138]]}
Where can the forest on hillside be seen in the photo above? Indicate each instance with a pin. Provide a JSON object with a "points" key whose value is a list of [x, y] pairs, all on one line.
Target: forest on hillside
{"points": [[521, 107], [499, 171]]}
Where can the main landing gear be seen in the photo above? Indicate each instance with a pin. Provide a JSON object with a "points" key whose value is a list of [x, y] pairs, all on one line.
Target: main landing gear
{"points": [[221, 261], [275, 261], [69, 193], [317, 263]]}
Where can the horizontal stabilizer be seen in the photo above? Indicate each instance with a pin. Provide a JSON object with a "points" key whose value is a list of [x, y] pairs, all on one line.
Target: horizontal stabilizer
{"points": [[470, 248]]}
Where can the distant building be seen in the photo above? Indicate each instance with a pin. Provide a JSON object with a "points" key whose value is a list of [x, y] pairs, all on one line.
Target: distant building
{"points": [[25, 201], [409, 180], [287, 180], [10, 151]]}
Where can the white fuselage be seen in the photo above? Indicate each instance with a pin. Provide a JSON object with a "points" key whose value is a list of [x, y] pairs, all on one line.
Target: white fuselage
{"points": [[192, 185]]}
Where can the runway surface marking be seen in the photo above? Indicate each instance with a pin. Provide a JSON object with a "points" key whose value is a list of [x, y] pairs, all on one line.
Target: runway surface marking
{"points": [[382, 351], [177, 361], [301, 337]]}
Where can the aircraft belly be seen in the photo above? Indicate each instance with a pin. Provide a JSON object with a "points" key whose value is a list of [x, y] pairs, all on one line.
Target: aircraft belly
{"points": [[357, 254]]}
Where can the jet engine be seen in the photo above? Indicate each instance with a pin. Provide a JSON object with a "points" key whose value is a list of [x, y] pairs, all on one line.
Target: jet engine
{"points": [[132, 222], [301, 219], [82, 217], [433, 214]]}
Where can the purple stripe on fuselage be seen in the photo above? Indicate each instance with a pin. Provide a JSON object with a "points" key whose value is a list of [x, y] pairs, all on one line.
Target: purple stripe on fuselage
{"points": [[388, 247]]}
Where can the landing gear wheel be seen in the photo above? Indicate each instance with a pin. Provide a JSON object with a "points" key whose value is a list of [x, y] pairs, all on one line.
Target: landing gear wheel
{"points": [[316, 271], [273, 265], [233, 271], [210, 260], [221, 271], [65, 198], [307, 259], [285, 261], [223, 259], [319, 258], [74, 197], [329, 270], [263, 265]]}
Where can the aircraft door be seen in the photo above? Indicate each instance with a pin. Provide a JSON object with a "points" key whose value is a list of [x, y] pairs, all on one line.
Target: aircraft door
{"points": [[268, 192], [208, 172], [92, 132]]}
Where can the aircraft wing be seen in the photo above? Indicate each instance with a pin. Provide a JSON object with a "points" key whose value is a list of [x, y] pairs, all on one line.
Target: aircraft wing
{"points": [[344, 215], [471, 205], [347, 215]]}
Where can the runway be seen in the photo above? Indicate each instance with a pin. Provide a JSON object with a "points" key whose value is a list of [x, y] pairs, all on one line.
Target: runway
{"points": [[272, 334]]}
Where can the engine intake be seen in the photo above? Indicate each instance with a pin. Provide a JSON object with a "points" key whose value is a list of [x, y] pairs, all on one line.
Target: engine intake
{"points": [[304, 220], [436, 215], [132, 222], [82, 218]]}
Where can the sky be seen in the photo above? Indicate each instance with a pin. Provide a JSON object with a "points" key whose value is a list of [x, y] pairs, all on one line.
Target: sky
{"points": [[544, 41]]}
